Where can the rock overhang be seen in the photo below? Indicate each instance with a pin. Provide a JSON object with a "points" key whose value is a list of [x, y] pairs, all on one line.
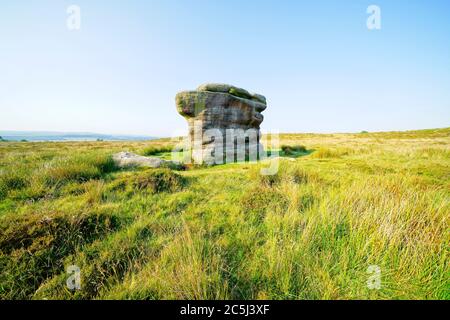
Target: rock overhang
{"points": [[191, 103]]}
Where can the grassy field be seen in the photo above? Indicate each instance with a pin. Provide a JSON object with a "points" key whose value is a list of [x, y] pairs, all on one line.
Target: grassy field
{"points": [[342, 204]]}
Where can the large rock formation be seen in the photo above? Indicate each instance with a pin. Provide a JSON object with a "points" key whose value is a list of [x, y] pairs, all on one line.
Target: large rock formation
{"points": [[223, 123]]}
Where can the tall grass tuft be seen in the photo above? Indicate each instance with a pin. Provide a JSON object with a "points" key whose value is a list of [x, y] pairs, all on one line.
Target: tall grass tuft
{"points": [[156, 150], [158, 180], [149, 181], [77, 169]]}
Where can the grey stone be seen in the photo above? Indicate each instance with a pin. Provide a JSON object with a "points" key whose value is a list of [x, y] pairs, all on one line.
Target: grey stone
{"points": [[239, 92], [219, 107], [129, 159], [259, 98]]}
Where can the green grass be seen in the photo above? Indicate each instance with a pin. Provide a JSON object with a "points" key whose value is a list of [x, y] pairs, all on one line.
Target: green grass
{"points": [[157, 150], [341, 204]]}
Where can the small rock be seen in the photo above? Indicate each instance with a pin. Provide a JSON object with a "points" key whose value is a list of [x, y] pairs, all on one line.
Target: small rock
{"points": [[129, 159]]}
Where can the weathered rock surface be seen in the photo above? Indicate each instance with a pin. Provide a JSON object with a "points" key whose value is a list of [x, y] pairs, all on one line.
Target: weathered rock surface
{"points": [[129, 159], [216, 108]]}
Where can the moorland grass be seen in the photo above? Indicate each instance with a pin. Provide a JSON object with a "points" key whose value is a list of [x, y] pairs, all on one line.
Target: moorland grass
{"points": [[311, 231]]}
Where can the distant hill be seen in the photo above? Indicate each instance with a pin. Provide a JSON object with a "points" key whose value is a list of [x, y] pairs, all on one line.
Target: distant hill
{"points": [[67, 136]]}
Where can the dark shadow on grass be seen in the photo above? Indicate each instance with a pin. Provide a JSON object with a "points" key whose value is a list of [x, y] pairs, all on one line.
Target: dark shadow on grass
{"points": [[293, 154]]}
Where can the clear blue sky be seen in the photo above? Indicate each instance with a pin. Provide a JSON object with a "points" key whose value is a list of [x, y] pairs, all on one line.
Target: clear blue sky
{"points": [[319, 66]]}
